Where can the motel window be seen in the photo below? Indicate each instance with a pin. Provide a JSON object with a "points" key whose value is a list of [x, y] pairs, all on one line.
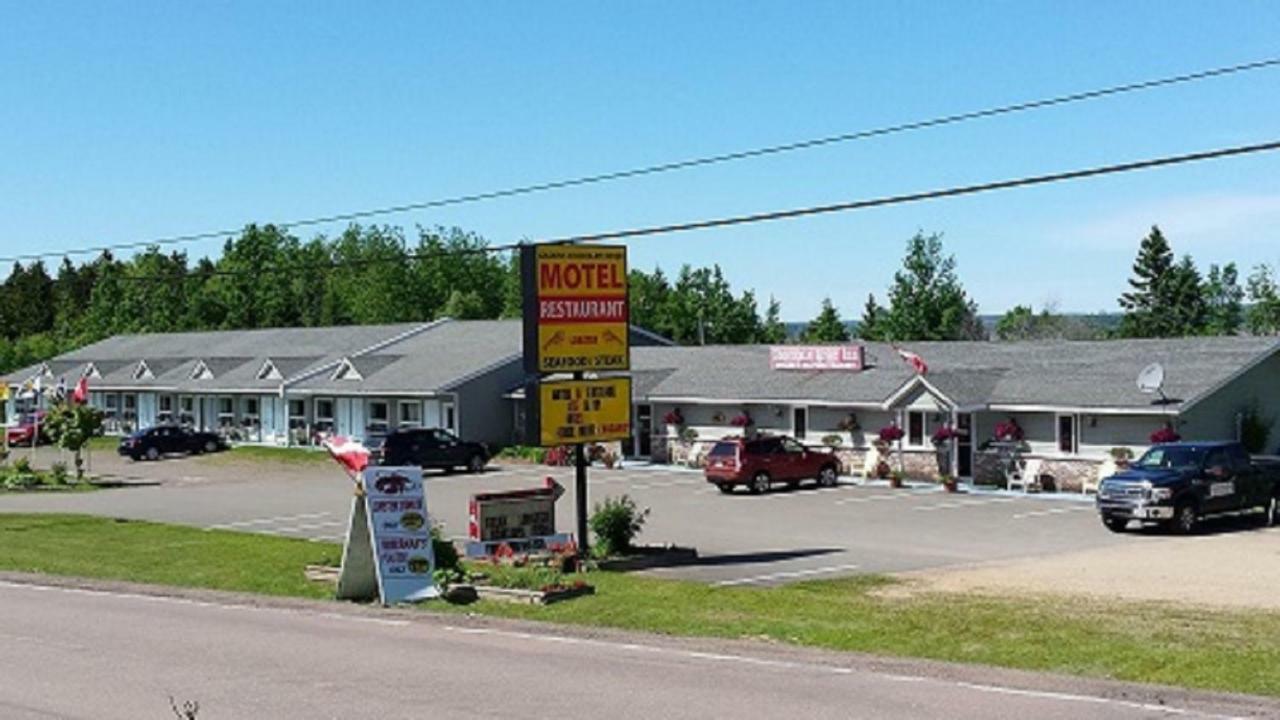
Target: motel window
{"points": [[251, 412], [410, 413], [187, 410], [165, 412], [129, 407], [112, 405], [1068, 434], [379, 414], [449, 416], [915, 428], [226, 412], [297, 414], [324, 414]]}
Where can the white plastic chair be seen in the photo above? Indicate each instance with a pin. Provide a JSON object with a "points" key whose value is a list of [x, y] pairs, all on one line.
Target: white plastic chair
{"points": [[1106, 469], [870, 462], [1027, 476]]}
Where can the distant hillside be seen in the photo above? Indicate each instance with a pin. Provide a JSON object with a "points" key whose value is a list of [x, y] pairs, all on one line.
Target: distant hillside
{"points": [[1098, 323]]}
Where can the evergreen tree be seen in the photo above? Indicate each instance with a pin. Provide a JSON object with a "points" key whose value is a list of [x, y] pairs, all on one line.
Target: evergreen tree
{"points": [[464, 305], [773, 330], [512, 289], [1223, 300], [827, 326], [926, 300], [1185, 300], [1145, 309], [650, 294], [1263, 317], [871, 327]]}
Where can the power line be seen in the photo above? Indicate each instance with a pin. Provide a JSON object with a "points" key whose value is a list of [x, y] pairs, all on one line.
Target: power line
{"points": [[1025, 181], [688, 163]]}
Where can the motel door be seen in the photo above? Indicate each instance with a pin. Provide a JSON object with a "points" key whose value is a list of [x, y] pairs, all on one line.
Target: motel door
{"points": [[964, 445], [642, 431]]}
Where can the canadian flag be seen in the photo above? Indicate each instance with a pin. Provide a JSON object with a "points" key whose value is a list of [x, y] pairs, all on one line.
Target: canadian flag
{"points": [[80, 395], [915, 361], [350, 453]]}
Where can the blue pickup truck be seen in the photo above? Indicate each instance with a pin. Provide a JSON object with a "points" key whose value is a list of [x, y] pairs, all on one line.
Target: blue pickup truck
{"points": [[1177, 485]]}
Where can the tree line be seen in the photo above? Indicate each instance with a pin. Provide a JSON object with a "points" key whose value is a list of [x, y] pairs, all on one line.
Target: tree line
{"points": [[267, 277]]}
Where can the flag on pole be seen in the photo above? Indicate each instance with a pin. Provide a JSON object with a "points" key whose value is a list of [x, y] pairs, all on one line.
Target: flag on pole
{"points": [[916, 362], [60, 392], [28, 390], [37, 388], [350, 454], [80, 395]]}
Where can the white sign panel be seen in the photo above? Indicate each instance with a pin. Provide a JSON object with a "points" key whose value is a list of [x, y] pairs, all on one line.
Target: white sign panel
{"points": [[815, 357], [390, 535]]}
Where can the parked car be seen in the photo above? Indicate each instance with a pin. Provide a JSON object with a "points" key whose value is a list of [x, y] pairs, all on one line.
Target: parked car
{"points": [[432, 448], [25, 430], [156, 442], [761, 462], [1180, 484]]}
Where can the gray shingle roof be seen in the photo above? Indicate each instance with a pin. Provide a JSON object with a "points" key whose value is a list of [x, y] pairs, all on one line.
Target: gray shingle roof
{"points": [[1061, 373]]}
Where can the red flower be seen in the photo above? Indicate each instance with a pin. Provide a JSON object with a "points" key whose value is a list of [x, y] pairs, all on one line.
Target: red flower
{"points": [[673, 418], [743, 420], [1165, 434], [1009, 431], [943, 434], [891, 433]]}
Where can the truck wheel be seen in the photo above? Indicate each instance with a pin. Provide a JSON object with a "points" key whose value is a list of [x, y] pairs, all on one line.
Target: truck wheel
{"points": [[1116, 525], [476, 464], [1185, 520], [210, 446], [153, 454], [827, 477], [760, 483]]}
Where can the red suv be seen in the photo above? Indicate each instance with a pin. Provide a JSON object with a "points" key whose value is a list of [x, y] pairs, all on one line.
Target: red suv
{"points": [[25, 430], [760, 463]]}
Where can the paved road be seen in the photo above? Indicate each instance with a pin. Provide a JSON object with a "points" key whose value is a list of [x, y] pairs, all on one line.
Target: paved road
{"points": [[71, 653], [744, 539]]}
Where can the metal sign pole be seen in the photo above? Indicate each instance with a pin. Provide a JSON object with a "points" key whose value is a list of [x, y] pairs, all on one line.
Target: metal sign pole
{"points": [[580, 490]]}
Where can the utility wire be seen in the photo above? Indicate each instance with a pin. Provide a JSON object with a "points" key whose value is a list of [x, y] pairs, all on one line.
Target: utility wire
{"points": [[688, 163], [1025, 181]]}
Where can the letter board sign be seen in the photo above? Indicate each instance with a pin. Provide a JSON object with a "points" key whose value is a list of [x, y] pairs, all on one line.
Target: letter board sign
{"points": [[568, 412], [576, 317]]}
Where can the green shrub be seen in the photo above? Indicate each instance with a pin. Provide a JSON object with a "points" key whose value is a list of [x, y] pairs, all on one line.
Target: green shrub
{"points": [[1254, 430], [616, 522], [832, 440], [446, 553], [57, 474], [524, 452], [689, 435]]}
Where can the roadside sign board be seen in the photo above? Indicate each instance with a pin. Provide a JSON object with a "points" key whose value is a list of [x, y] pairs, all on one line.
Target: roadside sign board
{"points": [[576, 317], [523, 520], [816, 357], [567, 412], [388, 552]]}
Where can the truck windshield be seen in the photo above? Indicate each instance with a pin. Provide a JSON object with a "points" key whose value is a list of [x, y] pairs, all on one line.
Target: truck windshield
{"points": [[1176, 458]]}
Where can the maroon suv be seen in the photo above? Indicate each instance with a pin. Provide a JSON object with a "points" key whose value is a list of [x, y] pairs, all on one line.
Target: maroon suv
{"points": [[761, 462]]}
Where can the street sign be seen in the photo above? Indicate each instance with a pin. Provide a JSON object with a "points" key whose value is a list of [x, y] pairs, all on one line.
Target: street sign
{"points": [[575, 308], [388, 553], [522, 520], [569, 412]]}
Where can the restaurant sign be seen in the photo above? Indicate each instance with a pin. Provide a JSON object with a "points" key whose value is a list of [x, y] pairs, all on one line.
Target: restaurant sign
{"points": [[575, 308], [816, 357], [567, 412], [521, 520], [388, 552]]}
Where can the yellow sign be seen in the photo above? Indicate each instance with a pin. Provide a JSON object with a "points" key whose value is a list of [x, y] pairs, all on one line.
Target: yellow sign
{"points": [[583, 411], [576, 309], [4, 390]]}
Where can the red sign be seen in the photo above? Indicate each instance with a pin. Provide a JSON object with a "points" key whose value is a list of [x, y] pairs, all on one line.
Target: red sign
{"points": [[514, 515], [816, 357]]}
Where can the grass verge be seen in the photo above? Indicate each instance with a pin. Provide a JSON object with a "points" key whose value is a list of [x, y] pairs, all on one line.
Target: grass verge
{"points": [[263, 453], [1219, 650]]}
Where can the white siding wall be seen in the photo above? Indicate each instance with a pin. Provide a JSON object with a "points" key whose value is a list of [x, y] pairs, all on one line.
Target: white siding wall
{"points": [[1131, 431], [432, 415]]}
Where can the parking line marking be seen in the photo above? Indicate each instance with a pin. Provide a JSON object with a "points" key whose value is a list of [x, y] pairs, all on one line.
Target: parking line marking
{"points": [[870, 498], [1051, 511], [962, 503], [312, 526], [785, 575], [268, 521]]}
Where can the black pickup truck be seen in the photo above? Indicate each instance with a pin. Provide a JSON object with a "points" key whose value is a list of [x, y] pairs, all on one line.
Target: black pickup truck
{"points": [[1180, 484]]}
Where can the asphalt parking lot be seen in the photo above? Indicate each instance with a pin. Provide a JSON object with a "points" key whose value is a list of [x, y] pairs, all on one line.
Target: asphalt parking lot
{"points": [[783, 536]]}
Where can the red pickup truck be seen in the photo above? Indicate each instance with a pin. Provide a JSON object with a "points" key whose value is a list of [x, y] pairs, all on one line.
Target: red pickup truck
{"points": [[761, 462]]}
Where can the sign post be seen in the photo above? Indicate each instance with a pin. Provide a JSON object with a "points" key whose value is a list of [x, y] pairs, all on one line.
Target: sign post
{"points": [[576, 320]]}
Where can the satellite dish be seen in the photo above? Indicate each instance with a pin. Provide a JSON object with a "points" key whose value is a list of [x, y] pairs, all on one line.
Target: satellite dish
{"points": [[1151, 379]]}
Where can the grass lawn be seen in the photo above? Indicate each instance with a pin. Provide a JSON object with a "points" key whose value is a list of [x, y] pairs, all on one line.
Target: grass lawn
{"points": [[262, 453], [1221, 650]]}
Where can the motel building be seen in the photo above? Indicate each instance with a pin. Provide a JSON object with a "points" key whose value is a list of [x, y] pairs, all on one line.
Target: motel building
{"points": [[1072, 401]]}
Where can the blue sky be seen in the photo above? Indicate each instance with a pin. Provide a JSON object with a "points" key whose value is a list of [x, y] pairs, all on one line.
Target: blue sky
{"points": [[126, 121]]}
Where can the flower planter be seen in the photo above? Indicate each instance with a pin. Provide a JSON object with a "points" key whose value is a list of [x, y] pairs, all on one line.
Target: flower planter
{"points": [[545, 596], [895, 482], [951, 486]]}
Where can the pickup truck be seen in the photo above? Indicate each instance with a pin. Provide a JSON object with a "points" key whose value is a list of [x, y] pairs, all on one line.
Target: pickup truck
{"points": [[1179, 484]]}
